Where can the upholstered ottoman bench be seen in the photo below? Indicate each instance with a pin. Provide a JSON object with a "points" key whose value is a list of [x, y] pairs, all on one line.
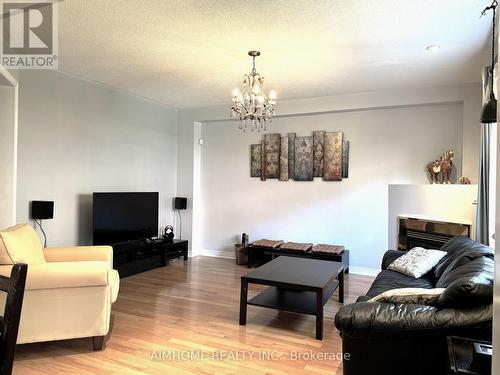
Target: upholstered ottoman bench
{"points": [[262, 251]]}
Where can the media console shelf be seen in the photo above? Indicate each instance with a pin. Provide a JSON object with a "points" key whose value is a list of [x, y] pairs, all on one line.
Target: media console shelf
{"points": [[134, 257]]}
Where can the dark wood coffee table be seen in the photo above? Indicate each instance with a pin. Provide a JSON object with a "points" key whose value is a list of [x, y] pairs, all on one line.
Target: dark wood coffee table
{"points": [[295, 284]]}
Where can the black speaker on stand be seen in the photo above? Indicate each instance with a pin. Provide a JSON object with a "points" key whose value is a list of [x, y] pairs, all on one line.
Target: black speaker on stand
{"points": [[180, 203]]}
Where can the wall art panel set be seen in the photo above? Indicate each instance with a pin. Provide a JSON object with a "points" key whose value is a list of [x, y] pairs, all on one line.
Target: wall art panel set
{"points": [[324, 154]]}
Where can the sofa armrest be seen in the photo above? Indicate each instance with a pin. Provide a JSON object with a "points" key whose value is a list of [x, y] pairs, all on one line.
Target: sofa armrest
{"points": [[64, 274], [388, 320], [390, 256], [79, 254]]}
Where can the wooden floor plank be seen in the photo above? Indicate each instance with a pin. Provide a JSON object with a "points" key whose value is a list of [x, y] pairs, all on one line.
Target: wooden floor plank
{"points": [[192, 308]]}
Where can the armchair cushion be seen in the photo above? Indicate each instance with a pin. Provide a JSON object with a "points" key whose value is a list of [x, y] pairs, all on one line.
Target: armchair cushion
{"points": [[20, 244], [65, 275], [79, 254]]}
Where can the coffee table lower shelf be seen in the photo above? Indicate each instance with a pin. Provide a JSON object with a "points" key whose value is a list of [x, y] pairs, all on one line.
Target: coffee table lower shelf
{"points": [[301, 302]]}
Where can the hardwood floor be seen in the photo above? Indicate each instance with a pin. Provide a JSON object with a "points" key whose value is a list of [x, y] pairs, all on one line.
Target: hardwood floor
{"points": [[190, 309]]}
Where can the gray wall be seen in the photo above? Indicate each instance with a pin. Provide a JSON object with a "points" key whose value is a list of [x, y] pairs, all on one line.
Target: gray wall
{"points": [[468, 96], [388, 146], [7, 155], [77, 137]]}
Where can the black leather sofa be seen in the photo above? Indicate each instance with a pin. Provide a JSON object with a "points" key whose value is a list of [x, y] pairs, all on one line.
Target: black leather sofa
{"points": [[386, 338]]}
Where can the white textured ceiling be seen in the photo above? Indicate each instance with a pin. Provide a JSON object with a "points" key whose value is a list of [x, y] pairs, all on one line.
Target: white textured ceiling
{"points": [[189, 53]]}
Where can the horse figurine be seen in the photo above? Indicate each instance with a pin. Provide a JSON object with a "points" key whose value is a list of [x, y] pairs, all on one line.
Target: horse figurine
{"points": [[443, 166], [446, 166], [434, 167]]}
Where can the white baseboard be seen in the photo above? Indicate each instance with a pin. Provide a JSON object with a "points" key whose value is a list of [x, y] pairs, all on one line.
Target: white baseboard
{"points": [[215, 253], [364, 271]]}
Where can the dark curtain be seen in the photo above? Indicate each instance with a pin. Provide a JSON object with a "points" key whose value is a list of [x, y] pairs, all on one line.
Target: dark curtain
{"points": [[483, 192]]}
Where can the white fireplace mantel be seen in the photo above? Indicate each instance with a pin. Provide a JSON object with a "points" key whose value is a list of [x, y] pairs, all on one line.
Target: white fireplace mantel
{"points": [[444, 219], [449, 203]]}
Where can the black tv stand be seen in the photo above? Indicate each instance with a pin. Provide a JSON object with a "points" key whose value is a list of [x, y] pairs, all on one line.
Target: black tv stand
{"points": [[142, 255]]}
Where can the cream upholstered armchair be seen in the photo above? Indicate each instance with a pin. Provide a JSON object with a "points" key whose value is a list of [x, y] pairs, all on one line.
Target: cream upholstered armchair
{"points": [[69, 291]]}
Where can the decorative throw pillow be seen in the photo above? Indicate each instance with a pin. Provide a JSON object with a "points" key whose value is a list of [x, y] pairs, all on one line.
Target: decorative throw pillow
{"points": [[21, 244], [417, 262], [418, 296]]}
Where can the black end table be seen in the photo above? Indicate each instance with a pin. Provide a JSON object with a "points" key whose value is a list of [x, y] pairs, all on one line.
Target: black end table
{"points": [[464, 359], [295, 284]]}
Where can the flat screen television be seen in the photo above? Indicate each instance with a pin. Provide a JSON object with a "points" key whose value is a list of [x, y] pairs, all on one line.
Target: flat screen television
{"points": [[122, 217]]}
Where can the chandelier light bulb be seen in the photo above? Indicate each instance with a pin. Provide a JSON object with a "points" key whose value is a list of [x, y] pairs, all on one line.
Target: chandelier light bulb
{"points": [[237, 97], [256, 88], [272, 97]]}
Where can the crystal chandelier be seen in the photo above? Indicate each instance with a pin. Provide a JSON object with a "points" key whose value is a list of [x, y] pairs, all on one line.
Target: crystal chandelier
{"points": [[252, 107]]}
